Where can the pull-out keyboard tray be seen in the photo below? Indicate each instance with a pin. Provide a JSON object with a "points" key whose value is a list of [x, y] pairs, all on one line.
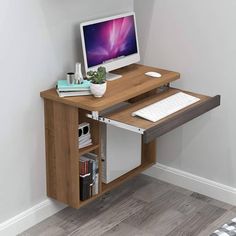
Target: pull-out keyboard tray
{"points": [[151, 130]]}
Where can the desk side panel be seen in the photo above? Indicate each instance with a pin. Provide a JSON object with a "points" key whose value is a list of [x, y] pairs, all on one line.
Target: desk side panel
{"points": [[149, 152], [61, 128]]}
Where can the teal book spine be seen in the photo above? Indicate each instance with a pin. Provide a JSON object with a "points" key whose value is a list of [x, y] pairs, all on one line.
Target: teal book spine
{"points": [[62, 84]]}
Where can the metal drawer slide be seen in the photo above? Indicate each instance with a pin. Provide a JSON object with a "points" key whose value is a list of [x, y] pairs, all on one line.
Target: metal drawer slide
{"points": [[118, 124]]}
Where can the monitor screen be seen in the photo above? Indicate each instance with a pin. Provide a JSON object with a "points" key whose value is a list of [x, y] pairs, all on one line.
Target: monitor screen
{"points": [[110, 42]]}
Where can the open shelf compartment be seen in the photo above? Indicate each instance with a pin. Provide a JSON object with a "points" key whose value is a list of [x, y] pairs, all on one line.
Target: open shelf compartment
{"points": [[94, 148]]}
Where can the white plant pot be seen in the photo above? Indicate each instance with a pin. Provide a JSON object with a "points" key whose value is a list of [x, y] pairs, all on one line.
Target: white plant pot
{"points": [[98, 90]]}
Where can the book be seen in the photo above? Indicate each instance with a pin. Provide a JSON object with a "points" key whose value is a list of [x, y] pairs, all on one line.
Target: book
{"points": [[85, 187], [96, 185], [85, 144], [95, 171], [83, 167], [62, 85], [73, 93], [87, 177], [74, 89], [85, 137]]}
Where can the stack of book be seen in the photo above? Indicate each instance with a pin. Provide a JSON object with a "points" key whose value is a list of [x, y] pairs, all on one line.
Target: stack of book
{"points": [[69, 90], [84, 135], [88, 176]]}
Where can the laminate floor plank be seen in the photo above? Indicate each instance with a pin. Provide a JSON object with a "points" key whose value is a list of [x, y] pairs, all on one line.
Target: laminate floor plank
{"points": [[212, 201], [190, 206], [233, 209], [164, 223], [226, 217], [155, 209], [151, 191], [143, 206], [124, 229], [164, 214], [112, 217], [199, 221], [181, 190], [55, 231]]}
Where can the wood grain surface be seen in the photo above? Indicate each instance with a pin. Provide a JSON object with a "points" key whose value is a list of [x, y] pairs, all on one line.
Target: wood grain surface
{"points": [[133, 83], [61, 131]]}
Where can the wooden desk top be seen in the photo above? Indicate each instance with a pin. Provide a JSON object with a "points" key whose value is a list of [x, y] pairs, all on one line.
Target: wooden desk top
{"points": [[134, 82]]}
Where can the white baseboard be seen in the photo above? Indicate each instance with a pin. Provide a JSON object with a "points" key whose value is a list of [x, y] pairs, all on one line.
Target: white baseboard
{"points": [[29, 218], [194, 183]]}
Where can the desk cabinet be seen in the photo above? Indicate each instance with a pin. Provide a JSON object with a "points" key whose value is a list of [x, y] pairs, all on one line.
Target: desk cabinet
{"points": [[63, 115]]}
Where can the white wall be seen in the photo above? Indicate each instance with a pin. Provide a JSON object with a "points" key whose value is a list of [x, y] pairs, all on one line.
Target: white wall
{"points": [[197, 39], [39, 43]]}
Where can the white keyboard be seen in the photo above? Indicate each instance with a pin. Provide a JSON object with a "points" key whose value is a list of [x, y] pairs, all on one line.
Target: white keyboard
{"points": [[166, 107]]}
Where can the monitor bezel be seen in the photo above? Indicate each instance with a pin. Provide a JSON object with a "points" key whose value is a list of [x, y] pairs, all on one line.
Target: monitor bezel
{"points": [[117, 62]]}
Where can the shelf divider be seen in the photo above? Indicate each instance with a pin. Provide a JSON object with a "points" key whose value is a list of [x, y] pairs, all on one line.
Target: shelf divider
{"points": [[90, 148]]}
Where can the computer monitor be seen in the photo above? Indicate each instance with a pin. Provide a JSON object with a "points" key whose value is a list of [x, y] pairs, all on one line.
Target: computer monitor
{"points": [[111, 42]]}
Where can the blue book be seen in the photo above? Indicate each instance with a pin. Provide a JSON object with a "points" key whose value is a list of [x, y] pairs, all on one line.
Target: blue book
{"points": [[62, 85]]}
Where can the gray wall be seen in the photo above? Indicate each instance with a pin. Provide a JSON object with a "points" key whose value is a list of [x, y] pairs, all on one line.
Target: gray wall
{"points": [[39, 42], [197, 39]]}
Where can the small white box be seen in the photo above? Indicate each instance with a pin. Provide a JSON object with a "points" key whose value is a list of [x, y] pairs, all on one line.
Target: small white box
{"points": [[120, 152]]}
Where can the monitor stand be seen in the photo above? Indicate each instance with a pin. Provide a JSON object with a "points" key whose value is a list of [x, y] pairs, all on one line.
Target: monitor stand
{"points": [[111, 76]]}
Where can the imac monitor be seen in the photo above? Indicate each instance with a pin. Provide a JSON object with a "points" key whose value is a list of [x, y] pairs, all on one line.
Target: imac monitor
{"points": [[110, 42]]}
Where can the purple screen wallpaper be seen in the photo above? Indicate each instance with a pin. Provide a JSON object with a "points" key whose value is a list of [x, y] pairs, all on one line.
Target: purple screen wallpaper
{"points": [[110, 39]]}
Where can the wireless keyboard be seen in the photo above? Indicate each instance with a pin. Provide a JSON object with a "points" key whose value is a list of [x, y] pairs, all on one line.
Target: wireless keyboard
{"points": [[166, 107]]}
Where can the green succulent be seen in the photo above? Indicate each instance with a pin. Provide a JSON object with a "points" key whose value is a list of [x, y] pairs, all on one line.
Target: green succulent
{"points": [[97, 77]]}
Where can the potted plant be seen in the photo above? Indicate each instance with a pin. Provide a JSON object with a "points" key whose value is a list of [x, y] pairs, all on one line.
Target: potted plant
{"points": [[98, 81]]}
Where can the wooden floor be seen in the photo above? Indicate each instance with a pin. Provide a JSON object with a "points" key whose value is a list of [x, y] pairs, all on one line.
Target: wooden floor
{"points": [[142, 206]]}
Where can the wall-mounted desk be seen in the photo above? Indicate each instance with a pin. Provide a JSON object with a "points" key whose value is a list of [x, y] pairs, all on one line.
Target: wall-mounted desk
{"points": [[62, 116]]}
